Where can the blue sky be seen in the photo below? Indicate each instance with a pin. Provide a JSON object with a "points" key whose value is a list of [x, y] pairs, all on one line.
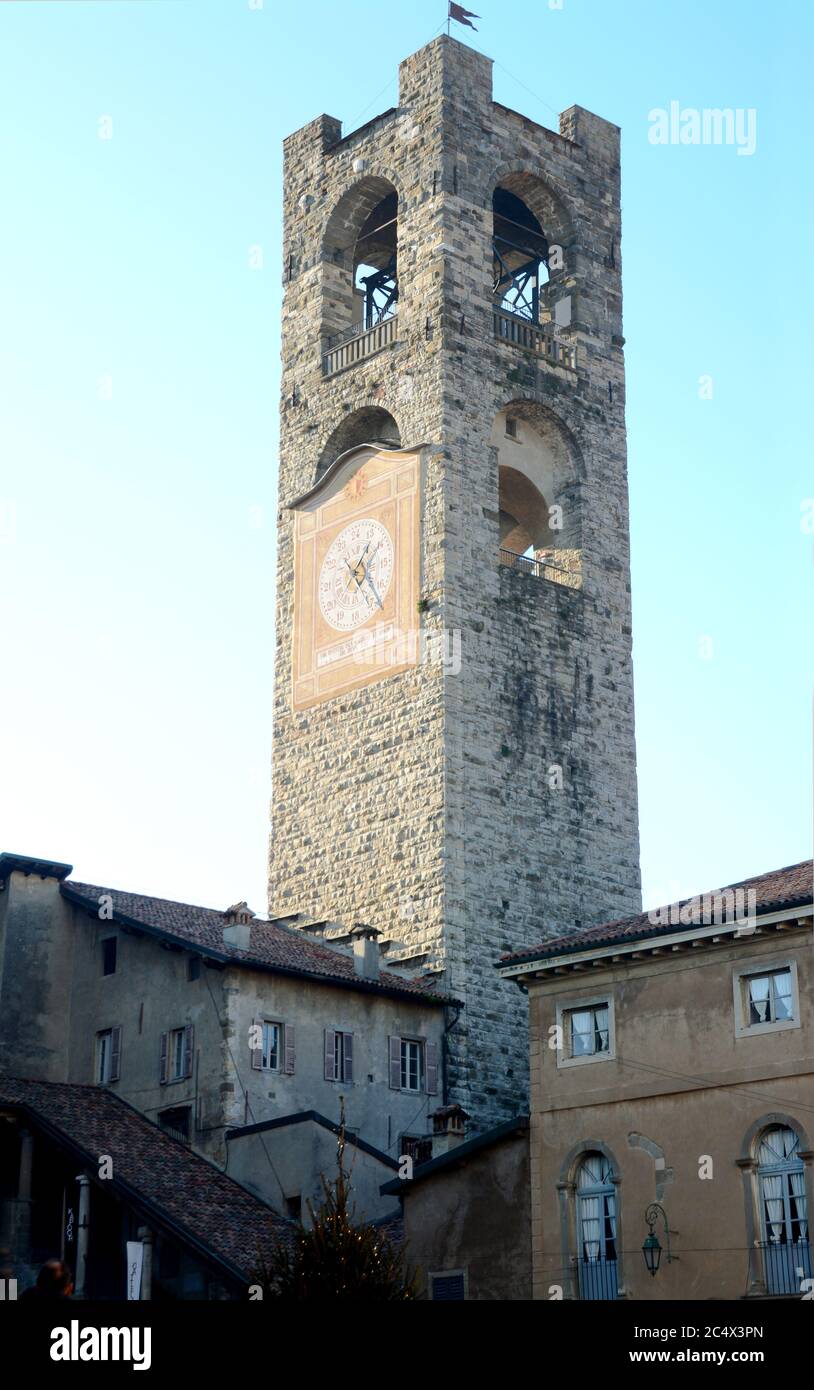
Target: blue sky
{"points": [[138, 411]]}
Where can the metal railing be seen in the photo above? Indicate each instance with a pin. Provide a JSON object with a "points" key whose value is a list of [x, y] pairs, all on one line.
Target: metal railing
{"points": [[786, 1265], [179, 1134], [597, 1280], [541, 569], [356, 343], [534, 337]]}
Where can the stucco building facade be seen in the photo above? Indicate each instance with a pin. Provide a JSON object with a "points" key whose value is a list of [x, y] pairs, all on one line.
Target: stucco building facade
{"points": [[673, 1063], [217, 1024]]}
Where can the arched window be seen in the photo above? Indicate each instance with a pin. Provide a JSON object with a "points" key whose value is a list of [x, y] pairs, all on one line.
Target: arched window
{"points": [[370, 425], [783, 1210], [375, 276], [538, 495], [533, 249], [360, 258], [519, 256], [596, 1228]]}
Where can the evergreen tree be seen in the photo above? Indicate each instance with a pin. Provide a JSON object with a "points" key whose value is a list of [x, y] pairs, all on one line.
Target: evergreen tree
{"points": [[336, 1257]]}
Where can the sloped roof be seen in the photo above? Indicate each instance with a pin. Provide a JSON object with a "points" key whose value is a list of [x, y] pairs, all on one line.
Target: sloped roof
{"points": [[273, 946], [792, 886], [457, 1156], [181, 1190]]}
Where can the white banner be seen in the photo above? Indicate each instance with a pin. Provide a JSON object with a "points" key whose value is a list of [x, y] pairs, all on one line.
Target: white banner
{"points": [[135, 1259]]}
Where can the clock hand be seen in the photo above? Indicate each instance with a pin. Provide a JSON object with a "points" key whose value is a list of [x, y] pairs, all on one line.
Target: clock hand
{"points": [[375, 590]]}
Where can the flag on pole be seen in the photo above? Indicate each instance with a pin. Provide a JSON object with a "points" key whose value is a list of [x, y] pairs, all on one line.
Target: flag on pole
{"points": [[463, 16]]}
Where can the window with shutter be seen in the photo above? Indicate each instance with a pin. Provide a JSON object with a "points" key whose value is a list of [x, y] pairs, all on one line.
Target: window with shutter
{"points": [[338, 1056], [256, 1052], [115, 1052], [271, 1056], [431, 1054], [188, 1050], [446, 1287], [104, 1056], [411, 1064], [330, 1054], [395, 1064], [290, 1050], [176, 1054]]}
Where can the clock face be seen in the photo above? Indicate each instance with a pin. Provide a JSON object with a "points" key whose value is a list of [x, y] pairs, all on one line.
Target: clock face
{"points": [[356, 574]]}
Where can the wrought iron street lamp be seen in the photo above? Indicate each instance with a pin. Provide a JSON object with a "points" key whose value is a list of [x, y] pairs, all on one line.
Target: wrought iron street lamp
{"points": [[651, 1249]]}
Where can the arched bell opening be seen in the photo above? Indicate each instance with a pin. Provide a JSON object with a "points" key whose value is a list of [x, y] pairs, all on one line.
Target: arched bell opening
{"points": [[519, 257], [375, 262], [360, 260], [539, 504]]}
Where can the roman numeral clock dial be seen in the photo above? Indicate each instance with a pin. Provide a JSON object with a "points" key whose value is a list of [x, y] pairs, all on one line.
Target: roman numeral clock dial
{"points": [[356, 574]]}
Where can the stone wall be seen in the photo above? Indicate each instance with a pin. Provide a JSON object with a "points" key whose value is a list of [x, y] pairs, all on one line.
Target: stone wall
{"points": [[427, 803]]}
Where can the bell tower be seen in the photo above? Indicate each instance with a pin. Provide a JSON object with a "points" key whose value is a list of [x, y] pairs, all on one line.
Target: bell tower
{"points": [[454, 749]]}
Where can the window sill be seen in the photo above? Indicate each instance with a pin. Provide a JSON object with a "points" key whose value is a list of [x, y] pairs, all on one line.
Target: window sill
{"points": [[563, 1062], [759, 1030]]}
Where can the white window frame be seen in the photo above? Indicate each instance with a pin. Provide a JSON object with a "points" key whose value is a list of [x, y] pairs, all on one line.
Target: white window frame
{"points": [[741, 976], [104, 1049], [339, 1054], [264, 1065], [572, 1006], [422, 1065], [175, 1061]]}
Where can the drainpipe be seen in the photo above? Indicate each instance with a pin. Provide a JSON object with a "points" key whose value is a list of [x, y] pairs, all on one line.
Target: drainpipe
{"points": [[82, 1235], [445, 1043]]}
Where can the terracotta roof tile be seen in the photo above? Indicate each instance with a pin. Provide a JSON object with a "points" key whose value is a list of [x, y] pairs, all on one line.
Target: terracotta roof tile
{"points": [[791, 886], [273, 945], [208, 1207]]}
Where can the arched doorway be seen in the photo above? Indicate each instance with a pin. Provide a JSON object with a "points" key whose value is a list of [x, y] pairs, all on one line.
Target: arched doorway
{"points": [[783, 1210], [596, 1228]]}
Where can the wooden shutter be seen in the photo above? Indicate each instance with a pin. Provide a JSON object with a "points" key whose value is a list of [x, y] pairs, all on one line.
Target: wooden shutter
{"points": [[115, 1052], [257, 1052], [330, 1055], [189, 1048], [165, 1053], [395, 1064], [431, 1064], [290, 1052], [347, 1040]]}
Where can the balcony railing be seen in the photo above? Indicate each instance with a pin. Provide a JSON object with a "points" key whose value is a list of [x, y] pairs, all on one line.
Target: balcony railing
{"points": [[597, 1280], [534, 337], [786, 1265], [356, 343], [541, 569]]}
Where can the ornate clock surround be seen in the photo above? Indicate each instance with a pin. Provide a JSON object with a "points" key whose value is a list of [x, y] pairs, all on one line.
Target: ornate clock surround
{"points": [[356, 574]]}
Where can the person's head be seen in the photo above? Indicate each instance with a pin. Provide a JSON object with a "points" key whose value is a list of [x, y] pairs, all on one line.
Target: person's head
{"points": [[54, 1280]]}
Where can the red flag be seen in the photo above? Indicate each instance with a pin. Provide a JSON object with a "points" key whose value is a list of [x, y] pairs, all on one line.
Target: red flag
{"points": [[462, 16]]}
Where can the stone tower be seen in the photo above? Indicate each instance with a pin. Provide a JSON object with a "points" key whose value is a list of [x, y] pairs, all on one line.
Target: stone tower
{"points": [[453, 301]]}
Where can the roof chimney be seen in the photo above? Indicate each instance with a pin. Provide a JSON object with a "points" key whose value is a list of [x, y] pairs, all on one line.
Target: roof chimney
{"points": [[365, 950], [448, 1126], [238, 929]]}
